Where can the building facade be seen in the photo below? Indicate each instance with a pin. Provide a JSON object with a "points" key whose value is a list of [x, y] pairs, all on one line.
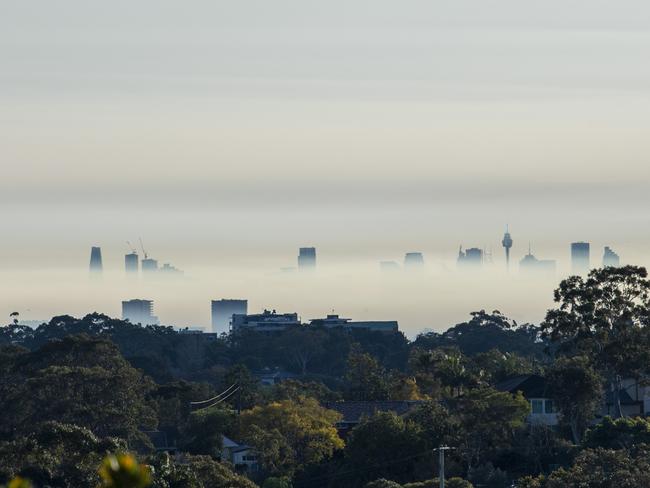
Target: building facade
{"points": [[580, 260], [610, 258], [267, 321], [139, 311], [131, 263], [223, 310], [332, 321], [307, 258], [413, 260], [96, 265]]}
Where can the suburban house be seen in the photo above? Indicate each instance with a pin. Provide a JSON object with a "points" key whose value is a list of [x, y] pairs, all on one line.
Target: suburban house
{"points": [[241, 456], [354, 412], [534, 388], [633, 397]]}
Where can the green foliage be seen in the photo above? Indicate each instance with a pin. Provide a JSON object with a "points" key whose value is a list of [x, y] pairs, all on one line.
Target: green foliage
{"points": [[604, 317], [273, 482], [78, 380], [387, 446], [437, 427], [366, 378], [123, 471], [484, 332], [195, 472], [494, 366], [448, 367], [291, 434], [382, 483], [453, 482], [204, 430], [294, 389], [55, 455], [622, 433], [602, 468], [489, 419], [576, 388]]}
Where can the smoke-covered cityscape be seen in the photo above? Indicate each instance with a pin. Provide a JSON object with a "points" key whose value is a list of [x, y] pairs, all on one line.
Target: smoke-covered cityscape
{"points": [[342, 244]]}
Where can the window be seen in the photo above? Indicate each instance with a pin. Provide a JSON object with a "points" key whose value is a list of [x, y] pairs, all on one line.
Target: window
{"points": [[537, 406], [549, 406]]}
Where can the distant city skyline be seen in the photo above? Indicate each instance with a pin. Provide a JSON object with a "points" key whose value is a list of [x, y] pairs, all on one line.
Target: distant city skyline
{"points": [[230, 135]]}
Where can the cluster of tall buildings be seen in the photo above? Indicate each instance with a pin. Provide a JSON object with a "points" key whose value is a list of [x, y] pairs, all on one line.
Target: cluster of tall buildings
{"points": [[232, 314], [133, 265]]}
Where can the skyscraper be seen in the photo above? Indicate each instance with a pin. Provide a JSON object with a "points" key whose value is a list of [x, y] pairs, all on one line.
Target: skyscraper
{"points": [[96, 260], [530, 264], [223, 310], [610, 258], [307, 258], [149, 265], [139, 312], [580, 257], [472, 257], [507, 244], [131, 262], [413, 260]]}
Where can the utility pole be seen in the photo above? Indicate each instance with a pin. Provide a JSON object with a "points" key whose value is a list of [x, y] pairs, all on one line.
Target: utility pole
{"points": [[441, 460]]}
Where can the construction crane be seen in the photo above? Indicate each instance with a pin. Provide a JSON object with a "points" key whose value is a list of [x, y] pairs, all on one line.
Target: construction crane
{"points": [[143, 251], [133, 251]]}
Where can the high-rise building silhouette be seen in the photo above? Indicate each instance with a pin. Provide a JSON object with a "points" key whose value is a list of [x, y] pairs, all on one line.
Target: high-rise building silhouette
{"points": [[413, 260], [139, 312], [96, 260], [507, 244], [610, 258], [580, 257], [472, 257], [223, 310], [529, 264], [131, 263], [307, 258], [149, 265]]}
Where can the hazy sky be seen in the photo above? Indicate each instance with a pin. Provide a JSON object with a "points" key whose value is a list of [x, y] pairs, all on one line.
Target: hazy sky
{"points": [[228, 134]]}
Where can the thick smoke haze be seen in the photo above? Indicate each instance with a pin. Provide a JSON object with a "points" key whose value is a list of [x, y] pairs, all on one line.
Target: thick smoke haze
{"points": [[228, 134]]}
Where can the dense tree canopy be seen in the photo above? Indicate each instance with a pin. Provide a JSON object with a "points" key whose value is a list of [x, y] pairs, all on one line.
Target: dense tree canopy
{"points": [[291, 433]]}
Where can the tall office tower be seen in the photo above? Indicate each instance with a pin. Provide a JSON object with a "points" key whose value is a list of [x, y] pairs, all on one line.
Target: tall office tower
{"points": [[580, 257], [610, 258], [139, 312], [507, 244], [413, 260], [530, 264], [149, 265], [131, 263], [307, 258], [96, 260], [472, 257], [223, 310]]}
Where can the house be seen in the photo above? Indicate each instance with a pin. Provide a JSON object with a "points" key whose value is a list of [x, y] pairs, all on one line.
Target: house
{"points": [[242, 456], [633, 397], [534, 388], [354, 412]]}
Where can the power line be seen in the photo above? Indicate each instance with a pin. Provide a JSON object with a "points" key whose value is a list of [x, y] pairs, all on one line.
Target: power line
{"points": [[220, 400], [215, 397]]}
